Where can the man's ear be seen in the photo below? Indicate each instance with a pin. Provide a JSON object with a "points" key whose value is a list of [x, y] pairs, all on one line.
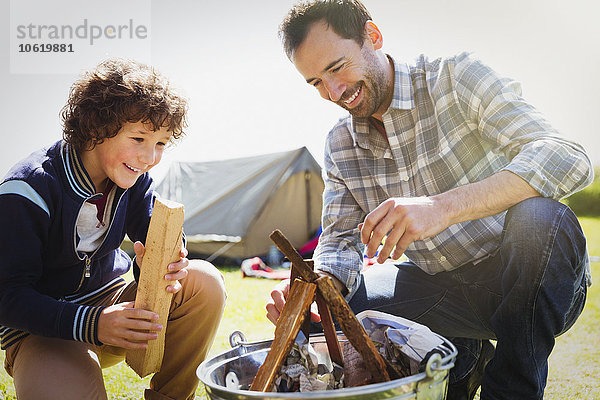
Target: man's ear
{"points": [[374, 34]]}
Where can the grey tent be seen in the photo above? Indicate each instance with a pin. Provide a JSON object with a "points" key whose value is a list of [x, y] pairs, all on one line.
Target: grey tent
{"points": [[232, 206]]}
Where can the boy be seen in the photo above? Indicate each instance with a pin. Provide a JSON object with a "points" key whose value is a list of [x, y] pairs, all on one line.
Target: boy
{"points": [[65, 311]]}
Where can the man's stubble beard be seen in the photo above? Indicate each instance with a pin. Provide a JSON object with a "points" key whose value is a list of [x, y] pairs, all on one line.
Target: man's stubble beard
{"points": [[373, 88]]}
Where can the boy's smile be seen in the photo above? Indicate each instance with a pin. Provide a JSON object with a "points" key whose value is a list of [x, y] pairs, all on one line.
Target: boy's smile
{"points": [[126, 156]]}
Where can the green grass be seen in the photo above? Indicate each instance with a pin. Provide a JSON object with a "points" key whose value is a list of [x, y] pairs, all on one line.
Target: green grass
{"points": [[574, 363], [245, 311]]}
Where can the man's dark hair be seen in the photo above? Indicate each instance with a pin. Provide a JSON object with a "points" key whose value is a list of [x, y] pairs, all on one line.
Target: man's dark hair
{"points": [[347, 18], [119, 91]]}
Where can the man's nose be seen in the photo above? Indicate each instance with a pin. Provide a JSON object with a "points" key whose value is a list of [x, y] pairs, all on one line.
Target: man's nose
{"points": [[335, 89]]}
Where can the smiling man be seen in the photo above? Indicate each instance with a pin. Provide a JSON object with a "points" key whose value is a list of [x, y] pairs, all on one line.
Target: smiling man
{"points": [[358, 80], [446, 163], [65, 310]]}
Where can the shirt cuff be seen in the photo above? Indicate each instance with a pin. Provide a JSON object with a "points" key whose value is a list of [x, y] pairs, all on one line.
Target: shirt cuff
{"points": [[85, 325]]}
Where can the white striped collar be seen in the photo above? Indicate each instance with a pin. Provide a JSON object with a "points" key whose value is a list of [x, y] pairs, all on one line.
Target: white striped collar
{"points": [[76, 174]]}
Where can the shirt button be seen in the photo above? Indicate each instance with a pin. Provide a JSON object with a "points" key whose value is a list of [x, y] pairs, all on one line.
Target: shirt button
{"points": [[442, 258], [405, 178]]}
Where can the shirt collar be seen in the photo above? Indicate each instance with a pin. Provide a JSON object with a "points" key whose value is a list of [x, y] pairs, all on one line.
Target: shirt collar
{"points": [[77, 176], [403, 88], [402, 100]]}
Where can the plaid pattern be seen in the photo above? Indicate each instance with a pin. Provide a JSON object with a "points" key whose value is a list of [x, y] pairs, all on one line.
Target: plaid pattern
{"points": [[451, 122]]}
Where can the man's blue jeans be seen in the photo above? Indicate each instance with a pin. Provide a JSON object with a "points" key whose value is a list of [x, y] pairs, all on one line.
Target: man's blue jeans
{"points": [[530, 291]]}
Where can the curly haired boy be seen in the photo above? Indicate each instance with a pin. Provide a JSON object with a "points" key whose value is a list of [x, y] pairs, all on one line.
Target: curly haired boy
{"points": [[65, 310]]}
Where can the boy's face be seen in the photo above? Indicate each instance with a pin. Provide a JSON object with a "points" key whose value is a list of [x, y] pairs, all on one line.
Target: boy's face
{"points": [[126, 156]]}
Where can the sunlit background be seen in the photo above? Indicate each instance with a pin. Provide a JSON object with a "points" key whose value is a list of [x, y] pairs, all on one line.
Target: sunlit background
{"points": [[246, 98]]}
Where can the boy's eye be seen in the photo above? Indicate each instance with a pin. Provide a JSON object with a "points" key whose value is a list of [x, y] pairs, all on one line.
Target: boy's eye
{"points": [[161, 144], [138, 139]]}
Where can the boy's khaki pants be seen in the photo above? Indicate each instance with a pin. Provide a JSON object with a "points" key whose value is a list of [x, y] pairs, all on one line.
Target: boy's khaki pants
{"points": [[48, 368]]}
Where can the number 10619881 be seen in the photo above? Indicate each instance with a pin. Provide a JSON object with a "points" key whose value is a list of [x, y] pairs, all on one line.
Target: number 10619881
{"points": [[46, 48]]}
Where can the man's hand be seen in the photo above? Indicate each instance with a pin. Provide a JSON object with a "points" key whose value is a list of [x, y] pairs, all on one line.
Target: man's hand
{"points": [[177, 270], [275, 305], [279, 294], [122, 325], [403, 220]]}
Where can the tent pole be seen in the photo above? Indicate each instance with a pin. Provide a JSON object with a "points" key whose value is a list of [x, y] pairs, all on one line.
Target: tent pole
{"points": [[222, 250], [308, 203]]}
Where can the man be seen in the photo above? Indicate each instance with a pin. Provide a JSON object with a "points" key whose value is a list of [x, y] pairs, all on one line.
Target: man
{"points": [[446, 162]]}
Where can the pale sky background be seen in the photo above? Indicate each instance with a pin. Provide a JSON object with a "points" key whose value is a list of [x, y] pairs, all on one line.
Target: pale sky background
{"points": [[246, 98]]}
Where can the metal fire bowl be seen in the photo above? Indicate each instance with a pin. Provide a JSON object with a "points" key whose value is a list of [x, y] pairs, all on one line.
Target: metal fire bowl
{"points": [[228, 375]]}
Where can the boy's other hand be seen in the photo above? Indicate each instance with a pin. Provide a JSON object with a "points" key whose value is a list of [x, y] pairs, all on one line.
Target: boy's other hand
{"points": [[177, 270], [124, 326], [139, 251]]}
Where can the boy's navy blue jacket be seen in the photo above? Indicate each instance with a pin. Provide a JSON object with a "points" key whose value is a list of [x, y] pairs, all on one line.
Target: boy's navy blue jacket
{"points": [[46, 287]]}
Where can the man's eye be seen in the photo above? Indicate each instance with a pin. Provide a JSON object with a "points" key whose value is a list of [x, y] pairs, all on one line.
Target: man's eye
{"points": [[336, 69], [316, 83]]}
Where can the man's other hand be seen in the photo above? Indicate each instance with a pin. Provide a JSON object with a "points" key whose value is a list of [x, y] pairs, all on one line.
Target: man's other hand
{"points": [[403, 220]]}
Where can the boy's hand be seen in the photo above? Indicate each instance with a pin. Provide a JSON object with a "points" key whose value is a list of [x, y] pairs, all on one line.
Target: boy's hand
{"points": [[122, 325], [177, 270]]}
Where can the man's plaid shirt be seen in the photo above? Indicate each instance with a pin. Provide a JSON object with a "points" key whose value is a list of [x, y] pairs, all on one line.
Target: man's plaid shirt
{"points": [[451, 122]]}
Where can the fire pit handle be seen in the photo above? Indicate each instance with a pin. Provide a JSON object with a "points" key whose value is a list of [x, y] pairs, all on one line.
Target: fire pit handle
{"points": [[237, 338], [435, 364]]}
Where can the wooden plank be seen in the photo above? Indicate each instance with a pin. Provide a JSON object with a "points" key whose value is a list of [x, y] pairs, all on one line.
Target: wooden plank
{"points": [[300, 298], [295, 258], [353, 330], [338, 306], [333, 345], [305, 328], [163, 244], [356, 372], [301, 267], [331, 339]]}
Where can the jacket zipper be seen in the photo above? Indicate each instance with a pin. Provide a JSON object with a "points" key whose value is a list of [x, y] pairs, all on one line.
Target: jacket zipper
{"points": [[87, 270]]}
